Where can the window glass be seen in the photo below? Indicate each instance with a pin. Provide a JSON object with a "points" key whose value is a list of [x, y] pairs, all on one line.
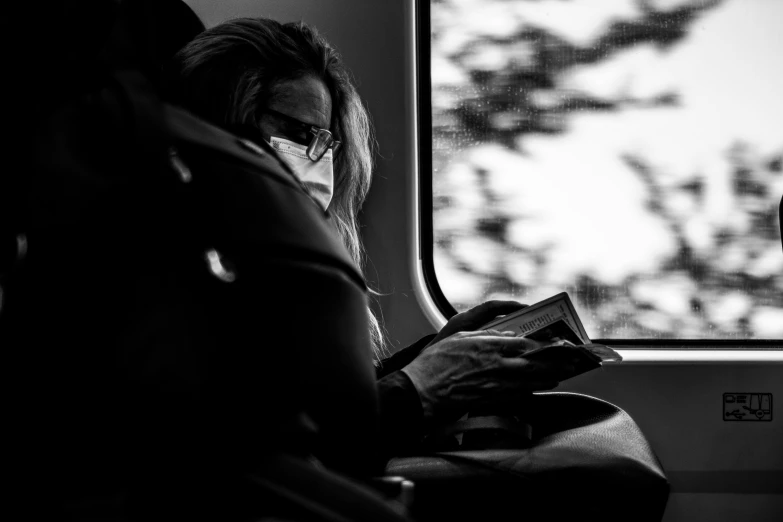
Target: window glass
{"points": [[629, 152]]}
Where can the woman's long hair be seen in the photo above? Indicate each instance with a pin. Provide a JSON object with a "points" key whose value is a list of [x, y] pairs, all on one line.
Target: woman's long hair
{"points": [[228, 73]]}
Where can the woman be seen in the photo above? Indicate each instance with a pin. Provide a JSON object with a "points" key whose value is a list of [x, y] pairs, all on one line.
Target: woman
{"points": [[286, 85]]}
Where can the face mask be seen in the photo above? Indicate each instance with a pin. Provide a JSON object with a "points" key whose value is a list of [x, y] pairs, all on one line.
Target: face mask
{"points": [[317, 176]]}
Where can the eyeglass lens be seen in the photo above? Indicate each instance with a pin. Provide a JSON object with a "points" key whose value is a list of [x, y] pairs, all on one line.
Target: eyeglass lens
{"points": [[319, 145]]}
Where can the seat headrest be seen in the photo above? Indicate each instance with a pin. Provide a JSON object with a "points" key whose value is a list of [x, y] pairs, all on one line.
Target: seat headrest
{"points": [[147, 33]]}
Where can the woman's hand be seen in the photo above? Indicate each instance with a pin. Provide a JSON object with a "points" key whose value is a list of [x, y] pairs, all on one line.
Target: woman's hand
{"points": [[476, 317], [476, 369]]}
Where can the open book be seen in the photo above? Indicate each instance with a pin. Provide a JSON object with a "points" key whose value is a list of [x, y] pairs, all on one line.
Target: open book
{"points": [[554, 321]]}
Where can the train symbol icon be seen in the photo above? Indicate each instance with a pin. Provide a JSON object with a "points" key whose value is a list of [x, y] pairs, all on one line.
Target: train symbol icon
{"points": [[747, 406]]}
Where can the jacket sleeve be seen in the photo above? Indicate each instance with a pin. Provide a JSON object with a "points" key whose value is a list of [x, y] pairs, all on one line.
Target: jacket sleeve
{"points": [[401, 415]]}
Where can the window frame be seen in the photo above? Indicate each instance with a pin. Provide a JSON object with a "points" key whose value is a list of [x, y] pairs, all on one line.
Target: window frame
{"points": [[426, 234]]}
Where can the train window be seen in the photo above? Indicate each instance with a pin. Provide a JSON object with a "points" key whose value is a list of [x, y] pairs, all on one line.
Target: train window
{"points": [[627, 152]]}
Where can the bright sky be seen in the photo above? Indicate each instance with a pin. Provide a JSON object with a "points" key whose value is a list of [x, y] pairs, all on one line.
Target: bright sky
{"points": [[732, 50], [584, 201]]}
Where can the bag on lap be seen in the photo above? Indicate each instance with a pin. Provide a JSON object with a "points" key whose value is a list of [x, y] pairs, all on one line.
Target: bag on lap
{"points": [[561, 456]]}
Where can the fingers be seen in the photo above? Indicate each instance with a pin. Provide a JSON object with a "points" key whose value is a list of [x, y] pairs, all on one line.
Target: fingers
{"points": [[513, 346], [505, 333], [490, 310], [486, 333], [505, 343], [535, 371], [490, 334], [500, 307], [519, 364]]}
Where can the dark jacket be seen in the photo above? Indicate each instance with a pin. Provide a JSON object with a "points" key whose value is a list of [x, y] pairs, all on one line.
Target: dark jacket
{"points": [[402, 419], [148, 324]]}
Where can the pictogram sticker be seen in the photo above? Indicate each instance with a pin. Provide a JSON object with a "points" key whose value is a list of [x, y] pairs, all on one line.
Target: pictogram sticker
{"points": [[747, 406]]}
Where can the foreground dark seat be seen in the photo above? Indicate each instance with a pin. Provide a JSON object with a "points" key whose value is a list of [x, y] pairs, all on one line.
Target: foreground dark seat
{"points": [[187, 333]]}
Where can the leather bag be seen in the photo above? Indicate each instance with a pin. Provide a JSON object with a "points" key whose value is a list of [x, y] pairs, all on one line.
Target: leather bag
{"points": [[559, 456]]}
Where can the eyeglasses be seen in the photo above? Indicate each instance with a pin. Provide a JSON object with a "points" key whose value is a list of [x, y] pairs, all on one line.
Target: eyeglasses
{"points": [[321, 141]]}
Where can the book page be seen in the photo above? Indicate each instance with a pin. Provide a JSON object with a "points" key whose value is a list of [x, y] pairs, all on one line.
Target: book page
{"points": [[557, 331], [555, 323], [539, 315]]}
